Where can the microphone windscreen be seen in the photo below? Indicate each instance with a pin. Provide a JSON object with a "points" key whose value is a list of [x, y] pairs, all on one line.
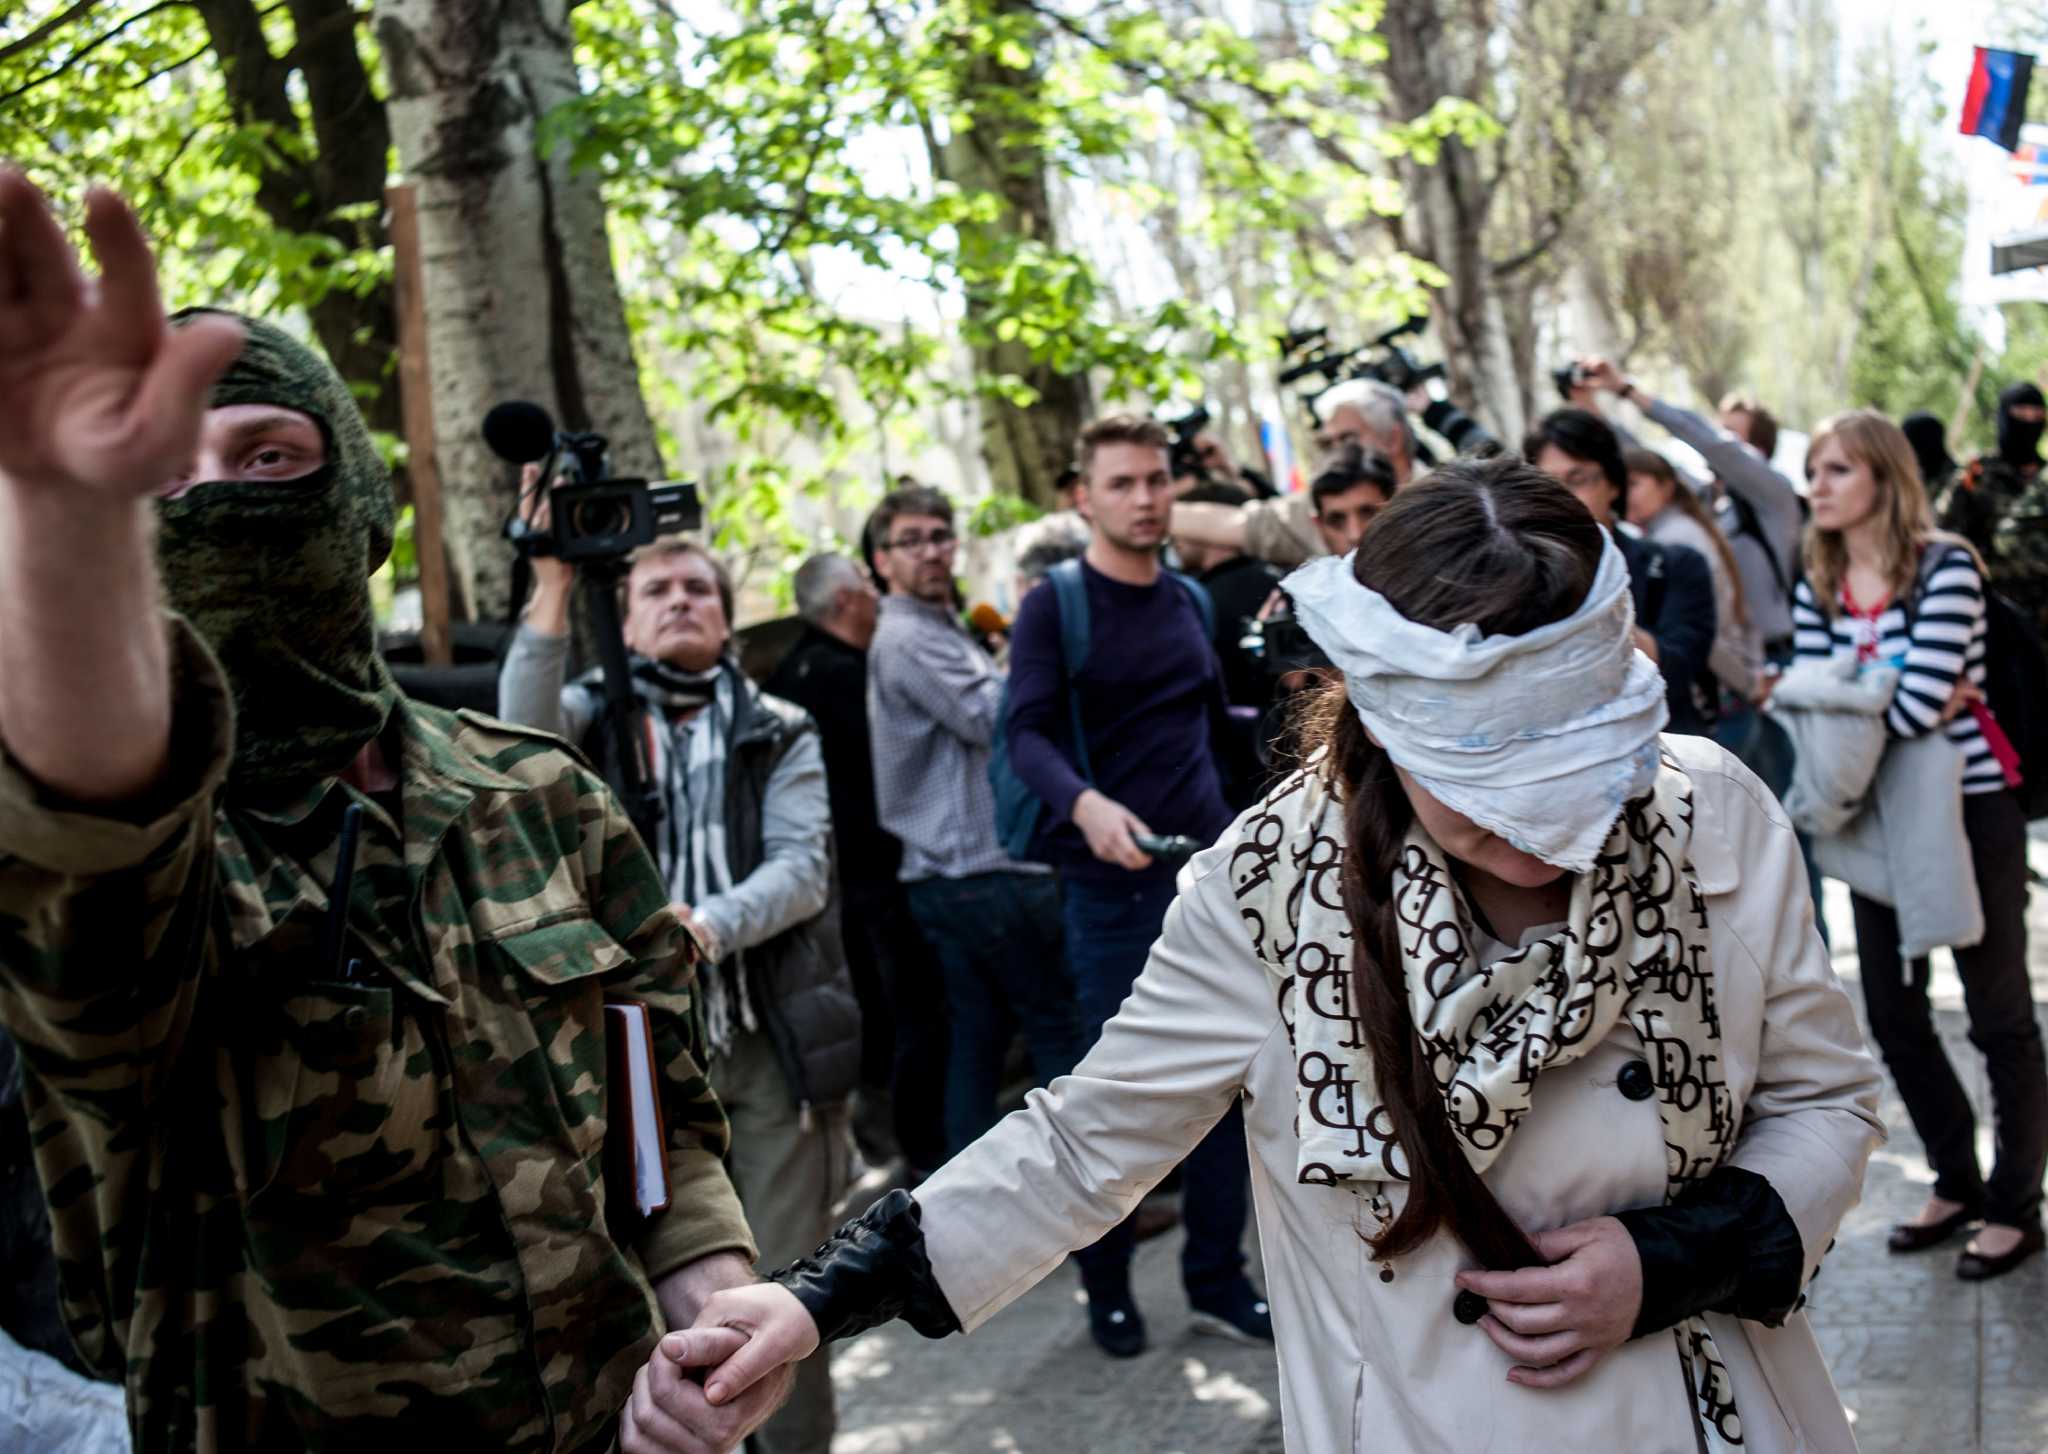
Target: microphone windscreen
{"points": [[519, 431], [987, 619]]}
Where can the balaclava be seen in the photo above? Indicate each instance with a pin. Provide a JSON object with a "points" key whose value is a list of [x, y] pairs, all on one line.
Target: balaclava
{"points": [[1930, 445], [2019, 440], [276, 576]]}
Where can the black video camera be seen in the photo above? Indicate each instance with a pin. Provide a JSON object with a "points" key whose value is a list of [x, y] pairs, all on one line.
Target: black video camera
{"points": [[591, 515], [1182, 457], [1382, 359]]}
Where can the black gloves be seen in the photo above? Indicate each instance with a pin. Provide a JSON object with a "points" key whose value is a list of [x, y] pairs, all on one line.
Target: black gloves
{"points": [[1727, 1245], [871, 1270]]}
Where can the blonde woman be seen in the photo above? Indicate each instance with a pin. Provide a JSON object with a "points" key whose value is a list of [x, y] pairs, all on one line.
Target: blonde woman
{"points": [[1883, 585]]}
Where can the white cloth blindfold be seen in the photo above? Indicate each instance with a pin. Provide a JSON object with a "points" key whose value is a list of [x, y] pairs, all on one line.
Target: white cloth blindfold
{"points": [[1539, 738]]}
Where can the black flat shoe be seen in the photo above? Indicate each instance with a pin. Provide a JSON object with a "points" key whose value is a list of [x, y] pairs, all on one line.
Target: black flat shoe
{"points": [[1975, 1267], [1919, 1236]]}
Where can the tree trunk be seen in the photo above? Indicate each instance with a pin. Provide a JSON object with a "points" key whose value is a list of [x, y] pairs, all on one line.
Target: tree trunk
{"points": [[1446, 221], [352, 145], [521, 300], [1025, 448]]}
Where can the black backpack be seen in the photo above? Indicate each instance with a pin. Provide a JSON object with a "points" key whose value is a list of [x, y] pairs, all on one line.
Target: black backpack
{"points": [[2015, 685]]}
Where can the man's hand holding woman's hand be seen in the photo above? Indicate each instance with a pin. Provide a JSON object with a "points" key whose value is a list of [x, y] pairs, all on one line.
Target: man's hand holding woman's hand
{"points": [[746, 1341]]}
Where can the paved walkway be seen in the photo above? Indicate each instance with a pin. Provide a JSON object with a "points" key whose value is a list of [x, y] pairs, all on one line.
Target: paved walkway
{"points": [[1924, 1363]]}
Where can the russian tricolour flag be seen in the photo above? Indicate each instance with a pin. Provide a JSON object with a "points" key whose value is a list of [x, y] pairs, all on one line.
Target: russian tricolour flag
{"points": [[1996, 102]]}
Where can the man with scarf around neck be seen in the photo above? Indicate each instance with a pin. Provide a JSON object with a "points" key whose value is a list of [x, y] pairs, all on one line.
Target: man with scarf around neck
{"points": [[744, 842], [1554, 1102], [1999, 503], [308, 1188]]}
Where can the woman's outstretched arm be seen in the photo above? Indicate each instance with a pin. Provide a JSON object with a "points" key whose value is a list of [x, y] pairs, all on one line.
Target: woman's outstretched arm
{"points": [[1050, 1178]]}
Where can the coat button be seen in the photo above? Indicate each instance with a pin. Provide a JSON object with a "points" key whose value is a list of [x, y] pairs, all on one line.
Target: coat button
{"points": [[1635, 1082], [1468, 1307]]}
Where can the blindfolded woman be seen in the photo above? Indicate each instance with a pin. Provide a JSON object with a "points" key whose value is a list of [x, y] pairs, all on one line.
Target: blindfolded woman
{"points": [[1554, 1102]]}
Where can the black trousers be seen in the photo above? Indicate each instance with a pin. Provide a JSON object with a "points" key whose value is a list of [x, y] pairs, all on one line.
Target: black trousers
{"points": [[903, 1016], [2000, 1004]]}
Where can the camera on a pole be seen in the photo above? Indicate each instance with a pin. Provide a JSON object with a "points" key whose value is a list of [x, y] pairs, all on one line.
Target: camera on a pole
{"points": [[592, 515]]}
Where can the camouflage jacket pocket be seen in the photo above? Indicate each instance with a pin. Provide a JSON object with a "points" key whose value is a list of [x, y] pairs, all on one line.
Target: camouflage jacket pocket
{"points": [[342, 1103], [558, 974]]}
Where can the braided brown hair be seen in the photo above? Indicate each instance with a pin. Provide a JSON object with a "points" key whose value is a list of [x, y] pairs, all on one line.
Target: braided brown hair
{"points": [[1500, 544]]}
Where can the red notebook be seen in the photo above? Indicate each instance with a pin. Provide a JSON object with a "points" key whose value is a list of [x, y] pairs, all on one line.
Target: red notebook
{"points": [[636, 1141]]}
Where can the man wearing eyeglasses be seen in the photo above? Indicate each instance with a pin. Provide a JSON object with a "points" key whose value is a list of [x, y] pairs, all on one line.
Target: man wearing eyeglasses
{"points": [[933, 700]]}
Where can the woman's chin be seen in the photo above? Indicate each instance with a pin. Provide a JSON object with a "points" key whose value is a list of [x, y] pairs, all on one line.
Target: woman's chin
{"points": [[1523, 870]]}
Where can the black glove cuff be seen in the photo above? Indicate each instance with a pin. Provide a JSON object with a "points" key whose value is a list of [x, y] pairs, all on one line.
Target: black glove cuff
{"points": [[871, 1270], [1727, 1245]]}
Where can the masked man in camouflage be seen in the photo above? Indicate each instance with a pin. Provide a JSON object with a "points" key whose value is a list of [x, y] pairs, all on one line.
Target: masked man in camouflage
{"points": [[307, 1195], [2000, 504]]}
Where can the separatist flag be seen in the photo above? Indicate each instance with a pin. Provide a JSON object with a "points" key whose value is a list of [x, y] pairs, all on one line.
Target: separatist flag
{"points": [[1996, 102]]}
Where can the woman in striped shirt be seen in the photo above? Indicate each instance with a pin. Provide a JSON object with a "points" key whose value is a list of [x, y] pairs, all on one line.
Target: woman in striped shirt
{"points": [[1871, 525]]}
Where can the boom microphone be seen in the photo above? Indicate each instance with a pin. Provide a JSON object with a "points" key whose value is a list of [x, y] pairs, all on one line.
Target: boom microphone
{"points": [[519, 431]]}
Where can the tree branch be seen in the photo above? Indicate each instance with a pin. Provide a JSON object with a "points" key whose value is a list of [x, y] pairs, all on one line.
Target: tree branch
{"points": [[48, 28], [89, 47]]}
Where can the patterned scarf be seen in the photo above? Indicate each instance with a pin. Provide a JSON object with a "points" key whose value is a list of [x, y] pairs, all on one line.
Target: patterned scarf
{"points": [[688, 758], [1633, 951]]}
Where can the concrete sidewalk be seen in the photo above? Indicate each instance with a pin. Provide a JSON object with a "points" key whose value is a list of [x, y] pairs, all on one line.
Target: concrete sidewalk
{"points": [[1924, 1363]]}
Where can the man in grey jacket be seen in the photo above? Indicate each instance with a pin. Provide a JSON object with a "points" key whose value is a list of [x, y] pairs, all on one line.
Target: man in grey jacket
{"points": [[934, 698], [744, 840]]}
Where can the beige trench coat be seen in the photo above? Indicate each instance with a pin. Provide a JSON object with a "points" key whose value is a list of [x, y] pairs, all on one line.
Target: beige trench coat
{"points": [[1383, 1366]]}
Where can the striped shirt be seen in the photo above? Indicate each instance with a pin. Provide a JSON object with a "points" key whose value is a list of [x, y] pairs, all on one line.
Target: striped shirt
{"points": [[1946, 640]]}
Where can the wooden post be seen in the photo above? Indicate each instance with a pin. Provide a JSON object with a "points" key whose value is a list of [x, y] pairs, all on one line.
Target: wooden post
{"points": [[416, 394]]}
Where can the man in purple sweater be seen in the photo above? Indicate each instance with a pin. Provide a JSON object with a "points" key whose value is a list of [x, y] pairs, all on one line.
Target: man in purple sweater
{"points": [[1150, 695]]}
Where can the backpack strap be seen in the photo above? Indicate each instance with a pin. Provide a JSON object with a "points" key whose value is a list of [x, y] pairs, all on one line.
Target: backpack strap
{"points": [[1932, 554], [1070, 597], [1204, 606]]}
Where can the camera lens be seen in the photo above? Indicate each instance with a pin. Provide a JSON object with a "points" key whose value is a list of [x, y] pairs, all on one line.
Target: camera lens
{"points": [[602, 516]]}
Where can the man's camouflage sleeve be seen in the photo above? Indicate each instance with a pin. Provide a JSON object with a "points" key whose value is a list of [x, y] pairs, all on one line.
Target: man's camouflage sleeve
{"points": [[78, 891], [631, 904]]}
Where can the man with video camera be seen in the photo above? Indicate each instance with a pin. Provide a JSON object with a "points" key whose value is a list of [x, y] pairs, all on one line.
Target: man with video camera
{"points": [[309, 980], [743, 839]]}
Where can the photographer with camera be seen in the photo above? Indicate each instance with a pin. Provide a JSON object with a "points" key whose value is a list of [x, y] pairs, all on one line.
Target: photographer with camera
{"points": [[1147, 703], [743, 838], [1362, 410]]}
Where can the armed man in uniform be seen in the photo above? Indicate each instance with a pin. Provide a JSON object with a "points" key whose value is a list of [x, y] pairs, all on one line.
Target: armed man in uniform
{"points": [[308, 1190]]}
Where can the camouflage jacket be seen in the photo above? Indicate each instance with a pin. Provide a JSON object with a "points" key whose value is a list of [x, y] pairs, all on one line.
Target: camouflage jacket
{"points": [[295, 1212], [2004, 513]]}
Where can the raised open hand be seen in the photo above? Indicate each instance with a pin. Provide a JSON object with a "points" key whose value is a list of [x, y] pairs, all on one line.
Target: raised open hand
{"points": [[102, 395]]}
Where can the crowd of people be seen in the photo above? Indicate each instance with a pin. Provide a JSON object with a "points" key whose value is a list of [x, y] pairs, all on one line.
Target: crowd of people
{"points": [[1294, 835]]}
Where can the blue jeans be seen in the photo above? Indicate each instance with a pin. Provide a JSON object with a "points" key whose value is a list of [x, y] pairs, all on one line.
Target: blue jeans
{"points": [[1110, 930], [997, 936]]}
